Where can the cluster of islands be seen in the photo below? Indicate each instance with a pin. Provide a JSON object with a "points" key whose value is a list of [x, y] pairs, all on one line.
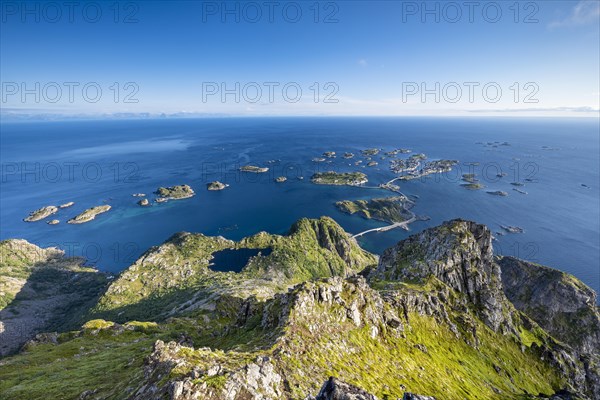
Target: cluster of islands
{"points": [[395, 210], [85, 216]]}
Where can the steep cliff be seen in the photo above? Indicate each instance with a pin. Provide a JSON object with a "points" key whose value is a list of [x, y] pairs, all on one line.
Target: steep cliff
{"points": [[559, 302], [42, 290]]}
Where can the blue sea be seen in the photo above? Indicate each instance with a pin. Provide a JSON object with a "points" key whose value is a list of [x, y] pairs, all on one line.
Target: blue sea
{"points": [[105, 162]]}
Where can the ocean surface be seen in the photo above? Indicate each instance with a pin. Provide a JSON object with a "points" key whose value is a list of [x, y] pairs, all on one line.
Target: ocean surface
{"points": [[105, 162]]}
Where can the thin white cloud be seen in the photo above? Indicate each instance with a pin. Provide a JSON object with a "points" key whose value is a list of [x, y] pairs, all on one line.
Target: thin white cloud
{"points": [[583, 13], [583, 109], [362, 62]]}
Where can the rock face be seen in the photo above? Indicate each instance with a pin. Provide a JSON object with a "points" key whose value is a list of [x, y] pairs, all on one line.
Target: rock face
{"points": [[458, 253], [335, 389], [557, 301]]}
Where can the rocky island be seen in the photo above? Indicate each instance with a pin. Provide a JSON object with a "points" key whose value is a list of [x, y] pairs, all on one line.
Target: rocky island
{"points": [[388, 209], [498, 193], [339, 178], [175, 192], [399, 166], [370, 152], [67, 205], [53, 222], [89, 214], [216, 185], [512, 229], [470, 178], [254, 169], [280, 179], [41, 213], [472, 186], [143, 202], [399, 151]]}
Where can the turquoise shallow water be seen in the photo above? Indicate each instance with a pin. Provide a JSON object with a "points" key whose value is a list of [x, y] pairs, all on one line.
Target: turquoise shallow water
{"points": [[97, 162]]}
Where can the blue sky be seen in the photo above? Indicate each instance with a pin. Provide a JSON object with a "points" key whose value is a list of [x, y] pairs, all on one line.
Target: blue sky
{"points": [[372, 58]]}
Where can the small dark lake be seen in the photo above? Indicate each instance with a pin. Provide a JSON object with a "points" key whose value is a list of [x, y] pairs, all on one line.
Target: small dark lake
{"points": [[235, 259]]}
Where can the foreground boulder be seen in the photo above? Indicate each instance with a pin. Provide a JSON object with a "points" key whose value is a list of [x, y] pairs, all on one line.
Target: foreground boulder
{"points": [[335, 389], [411, 396]]}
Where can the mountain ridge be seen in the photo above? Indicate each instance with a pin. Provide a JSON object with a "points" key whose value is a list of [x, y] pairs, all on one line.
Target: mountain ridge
{"points": [[432, 316]]}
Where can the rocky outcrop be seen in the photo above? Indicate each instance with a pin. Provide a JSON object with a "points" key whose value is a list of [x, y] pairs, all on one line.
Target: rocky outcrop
{"points": [[411, 396], [256, 379], [458, 253], [334, 389]]}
